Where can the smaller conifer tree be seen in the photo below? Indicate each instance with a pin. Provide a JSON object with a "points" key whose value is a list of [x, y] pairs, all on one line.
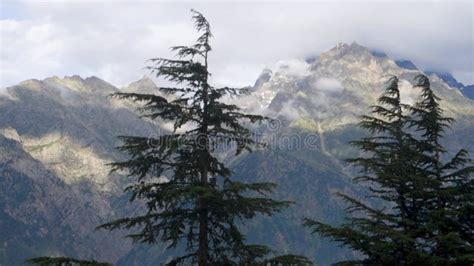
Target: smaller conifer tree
{"points": [[428, 214]]}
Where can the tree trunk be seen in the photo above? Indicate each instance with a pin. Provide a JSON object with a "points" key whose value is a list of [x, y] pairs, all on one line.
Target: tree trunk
{"points": [[203, 212], [203, 245], [203, 221]]}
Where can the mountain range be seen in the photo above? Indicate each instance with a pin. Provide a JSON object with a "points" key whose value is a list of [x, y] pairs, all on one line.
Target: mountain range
{"points": [[58, 134]]}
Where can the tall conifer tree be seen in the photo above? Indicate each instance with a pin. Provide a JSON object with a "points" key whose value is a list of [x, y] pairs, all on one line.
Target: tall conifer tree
{"points": [[385, 166], [449, 194], [199, 205], [428, 215]]}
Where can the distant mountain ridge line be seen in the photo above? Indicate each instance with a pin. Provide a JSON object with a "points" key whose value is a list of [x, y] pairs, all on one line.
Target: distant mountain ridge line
{"points": [[64, 129], [467, 90]]}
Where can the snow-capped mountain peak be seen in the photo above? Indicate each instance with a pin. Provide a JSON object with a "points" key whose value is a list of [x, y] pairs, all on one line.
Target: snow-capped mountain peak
{"points": [[339, 85]]}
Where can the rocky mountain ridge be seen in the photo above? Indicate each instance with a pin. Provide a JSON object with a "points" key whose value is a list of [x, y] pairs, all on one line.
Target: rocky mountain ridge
{"points": [[339, 85], [58, 134], [62, 132]]}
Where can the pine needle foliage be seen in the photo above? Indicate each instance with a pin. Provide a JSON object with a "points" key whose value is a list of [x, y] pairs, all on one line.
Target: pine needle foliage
{"points": [[450, 196], [198, 205], [428, 214], [64, 261]]}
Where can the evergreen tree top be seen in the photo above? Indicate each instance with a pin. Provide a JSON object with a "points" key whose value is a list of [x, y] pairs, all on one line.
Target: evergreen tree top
{"points": [[200, 207]]}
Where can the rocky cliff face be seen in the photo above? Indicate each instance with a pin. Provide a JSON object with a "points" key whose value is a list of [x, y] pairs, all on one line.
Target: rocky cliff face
{"points": [[70, 125], [58, 134], [42, 214]]}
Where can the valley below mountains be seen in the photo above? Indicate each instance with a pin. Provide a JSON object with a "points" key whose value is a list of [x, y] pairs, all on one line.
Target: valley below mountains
{"points": [[57, 136]]}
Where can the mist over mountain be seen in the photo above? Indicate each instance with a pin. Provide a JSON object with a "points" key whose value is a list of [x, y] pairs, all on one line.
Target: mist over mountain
{"points": [[339, 86], [57, 136]]}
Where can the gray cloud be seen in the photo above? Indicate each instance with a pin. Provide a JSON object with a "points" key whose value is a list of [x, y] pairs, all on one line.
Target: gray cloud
{"points": [[112, 40]]}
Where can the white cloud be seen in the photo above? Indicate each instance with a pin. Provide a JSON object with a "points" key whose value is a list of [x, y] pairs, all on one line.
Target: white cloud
{"points": [[292, 111], [408, 93], [329, 85], [113, 39], [292, 67], [29, 48]]}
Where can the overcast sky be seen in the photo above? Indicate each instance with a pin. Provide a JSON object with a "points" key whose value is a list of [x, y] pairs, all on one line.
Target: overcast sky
{"points": [[113, 39]]}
